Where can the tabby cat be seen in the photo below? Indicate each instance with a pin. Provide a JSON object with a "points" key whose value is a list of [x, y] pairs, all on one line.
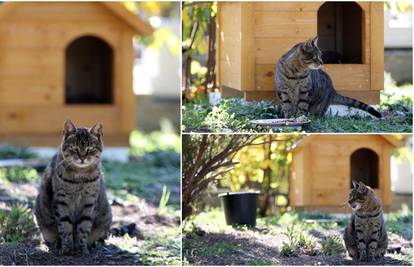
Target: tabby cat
{"points": [[304, 88], [365, 236], [72, 210]]}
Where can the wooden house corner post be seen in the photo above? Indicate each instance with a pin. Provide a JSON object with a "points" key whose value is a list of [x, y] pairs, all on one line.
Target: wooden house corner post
{"points": [[386, 176], [292, 183], [247, 82], [377, 45], [128, 101]]}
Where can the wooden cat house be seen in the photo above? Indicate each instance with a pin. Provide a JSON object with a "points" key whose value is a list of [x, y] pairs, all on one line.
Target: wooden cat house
{"points": [[66, 60], [252, 36], [324, 165]]}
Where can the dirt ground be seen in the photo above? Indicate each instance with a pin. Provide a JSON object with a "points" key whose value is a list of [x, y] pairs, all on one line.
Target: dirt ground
{"points": [[155, 239], [221, 245]]}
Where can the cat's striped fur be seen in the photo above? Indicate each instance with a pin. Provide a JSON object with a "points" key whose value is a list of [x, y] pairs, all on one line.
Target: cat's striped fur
{"points": [[365, 237], [303, 87], [72, 210]]}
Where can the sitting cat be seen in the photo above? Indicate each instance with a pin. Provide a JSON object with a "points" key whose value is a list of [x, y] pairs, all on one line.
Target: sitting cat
{"points": [[365, 237], [72, 210], [304, 88]]}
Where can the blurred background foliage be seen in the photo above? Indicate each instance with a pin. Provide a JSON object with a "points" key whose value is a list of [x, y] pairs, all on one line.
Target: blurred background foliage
{"points": [[198, 47], [261, 163], [152, 12], [398, 6], [264, 168]]}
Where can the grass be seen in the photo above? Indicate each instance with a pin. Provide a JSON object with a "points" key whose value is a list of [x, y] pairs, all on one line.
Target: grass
{"points": [[17, 225], [145, 178], [234, 114], [400, 222]]}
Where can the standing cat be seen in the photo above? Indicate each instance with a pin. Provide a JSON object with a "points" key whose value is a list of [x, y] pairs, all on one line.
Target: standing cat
{"points": [[304, 88], [365, 236], [72, 209]]}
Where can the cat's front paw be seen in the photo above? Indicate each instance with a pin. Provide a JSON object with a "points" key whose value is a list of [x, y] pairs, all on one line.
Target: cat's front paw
{"points": [[66, 251], [82, 250], [362, 258]]}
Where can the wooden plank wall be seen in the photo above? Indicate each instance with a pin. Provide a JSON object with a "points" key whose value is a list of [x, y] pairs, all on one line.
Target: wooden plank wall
{"points": [[33, 38], [229, 44], [279, 26], [331, 160]]}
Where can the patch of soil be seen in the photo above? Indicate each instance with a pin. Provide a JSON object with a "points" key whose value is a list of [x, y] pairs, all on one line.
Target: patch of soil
{"points": [[109, 254], [259, 247]]}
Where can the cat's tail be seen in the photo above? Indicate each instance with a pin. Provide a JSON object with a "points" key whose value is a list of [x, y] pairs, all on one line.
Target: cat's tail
{"points": [[350, 102]]}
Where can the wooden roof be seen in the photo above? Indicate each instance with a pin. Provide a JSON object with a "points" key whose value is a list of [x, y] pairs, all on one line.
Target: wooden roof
{"points": [[394, 140], [118, 9]]}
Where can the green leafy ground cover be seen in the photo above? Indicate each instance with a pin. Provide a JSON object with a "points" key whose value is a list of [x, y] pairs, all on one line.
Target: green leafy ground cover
{"points": [[234, 115]]}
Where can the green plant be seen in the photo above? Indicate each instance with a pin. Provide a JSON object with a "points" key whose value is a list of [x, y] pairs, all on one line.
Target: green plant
{"points": [[19, 174], [206, 158], [298, 242], [288, 249], [400, 222], [9, 151], [141, 143], [162, 207], [234, 114], [17, 225], [332, 246]]}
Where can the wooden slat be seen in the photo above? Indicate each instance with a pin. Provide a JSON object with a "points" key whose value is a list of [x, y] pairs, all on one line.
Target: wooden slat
{"points": [[229, 42], [260, 95], [285, 24], [53, 140], [61, 11], [377, 46], [385, 174], [37, 120], [357, 76], [247, 47], [270, 50], [338, 179], [127, 97], [287, 6], [332, 197], [21, 94]]}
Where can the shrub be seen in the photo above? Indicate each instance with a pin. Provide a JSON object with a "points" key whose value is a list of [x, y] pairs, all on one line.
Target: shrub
{"points": [[332, 246], [8, 151], [17, 225], [19, 174], [298, 242]]}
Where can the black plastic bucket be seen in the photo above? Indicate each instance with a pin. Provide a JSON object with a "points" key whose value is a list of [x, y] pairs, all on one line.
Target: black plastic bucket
{"points": [[240, 207]]}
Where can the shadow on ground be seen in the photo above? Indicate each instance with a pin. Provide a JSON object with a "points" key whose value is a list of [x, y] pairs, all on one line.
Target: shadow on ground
{"points": [[247, 248], [27, 255]]}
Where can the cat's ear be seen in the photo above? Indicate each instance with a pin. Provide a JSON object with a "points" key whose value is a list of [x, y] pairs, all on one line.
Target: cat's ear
{"points": [[97, 130], [362, 187], [354, 184], [315, 41], [69, 127]]}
